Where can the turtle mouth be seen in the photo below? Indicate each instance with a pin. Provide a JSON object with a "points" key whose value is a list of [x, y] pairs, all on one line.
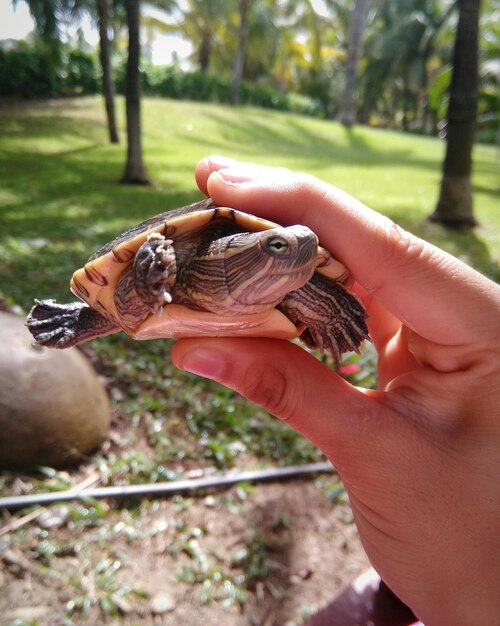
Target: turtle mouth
{"points": [[296, 272]]}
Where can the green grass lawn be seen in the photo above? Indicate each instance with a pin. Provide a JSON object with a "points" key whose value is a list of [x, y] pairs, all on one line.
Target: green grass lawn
{"points": [[60, 199]]}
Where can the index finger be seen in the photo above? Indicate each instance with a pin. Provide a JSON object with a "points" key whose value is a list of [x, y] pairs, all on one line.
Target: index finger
{"points": [[430, 291]]}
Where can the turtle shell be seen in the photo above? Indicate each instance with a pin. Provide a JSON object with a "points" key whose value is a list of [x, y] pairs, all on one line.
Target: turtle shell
{"points": [[96, 281]]}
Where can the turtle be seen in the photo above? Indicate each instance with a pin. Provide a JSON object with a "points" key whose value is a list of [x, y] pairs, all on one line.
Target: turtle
{"points": [[208, 270]]}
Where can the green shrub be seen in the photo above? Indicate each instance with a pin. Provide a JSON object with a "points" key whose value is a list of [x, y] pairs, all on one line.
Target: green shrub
{"points": [[81, 75], [171, 82], [30, 71], [26, 72]]}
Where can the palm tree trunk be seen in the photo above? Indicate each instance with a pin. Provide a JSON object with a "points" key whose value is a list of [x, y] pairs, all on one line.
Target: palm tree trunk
{"points": [[240, 54], [135, 171], [454, 206], [205, 52], [108, 88], [347, 115]]}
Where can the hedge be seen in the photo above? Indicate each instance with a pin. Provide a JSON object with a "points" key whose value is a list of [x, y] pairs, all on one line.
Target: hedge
{"points": [[27, 73]]}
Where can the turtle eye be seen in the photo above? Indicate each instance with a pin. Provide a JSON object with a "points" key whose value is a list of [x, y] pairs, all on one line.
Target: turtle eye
{"points": [[277, 245]]}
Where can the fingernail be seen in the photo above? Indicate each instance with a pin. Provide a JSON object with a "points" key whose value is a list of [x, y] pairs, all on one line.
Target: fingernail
{"points": [[217, 162], [204, 362], [236, 176]]}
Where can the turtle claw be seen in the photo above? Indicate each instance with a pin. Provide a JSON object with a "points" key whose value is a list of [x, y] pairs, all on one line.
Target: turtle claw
{"points": [[64, 325], [334, 319], [44, 310], [55, 339], [52, 324], [335, 339]]}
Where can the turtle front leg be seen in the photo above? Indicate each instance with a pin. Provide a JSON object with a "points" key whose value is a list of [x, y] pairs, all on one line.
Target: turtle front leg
{"points": [[147, 286], [155, 272], [65, 325], [334, 319]]}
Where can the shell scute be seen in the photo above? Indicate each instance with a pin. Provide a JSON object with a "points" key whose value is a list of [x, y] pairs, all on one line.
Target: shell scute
{"points": [[169, 231], [123, 255], [80, 290], [224, 213], [95, 276]]}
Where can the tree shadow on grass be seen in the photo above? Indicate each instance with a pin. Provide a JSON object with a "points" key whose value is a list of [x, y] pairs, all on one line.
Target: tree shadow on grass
{"points": [[467, 245], [254, 134], [492, 191], [49, 128]]}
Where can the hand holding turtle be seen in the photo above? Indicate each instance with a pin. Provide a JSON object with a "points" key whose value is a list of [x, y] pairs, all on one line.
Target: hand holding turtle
{"points": [[420, 456]]}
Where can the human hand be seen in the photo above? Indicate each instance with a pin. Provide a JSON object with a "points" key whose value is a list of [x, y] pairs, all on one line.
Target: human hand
{"points": [[419, 457]]}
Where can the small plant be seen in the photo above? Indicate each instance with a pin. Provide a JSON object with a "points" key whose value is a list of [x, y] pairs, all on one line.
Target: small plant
{"points": [[254, 559], [216, 584], [100, 585]]}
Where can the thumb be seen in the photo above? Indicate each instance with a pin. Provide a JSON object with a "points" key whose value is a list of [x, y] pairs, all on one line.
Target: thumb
{"points": [[289, 383]]}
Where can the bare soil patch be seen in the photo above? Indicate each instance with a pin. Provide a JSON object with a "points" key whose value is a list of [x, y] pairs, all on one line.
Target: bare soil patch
{"points": [[267, 555]]}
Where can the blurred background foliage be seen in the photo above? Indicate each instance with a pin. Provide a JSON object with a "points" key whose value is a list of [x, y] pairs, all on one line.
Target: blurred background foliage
{"points": [[295, 55]]}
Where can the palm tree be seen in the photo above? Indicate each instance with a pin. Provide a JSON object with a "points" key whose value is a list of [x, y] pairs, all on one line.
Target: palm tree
{"points": [[108, 88], [403, 43], [135, 170], [347, 115], [244, 9], [48, 17], [201, 23], [315, 51], [454, 207]]}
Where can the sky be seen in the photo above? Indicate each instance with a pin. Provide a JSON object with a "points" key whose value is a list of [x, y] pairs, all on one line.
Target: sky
{"points": [[16, 24]]}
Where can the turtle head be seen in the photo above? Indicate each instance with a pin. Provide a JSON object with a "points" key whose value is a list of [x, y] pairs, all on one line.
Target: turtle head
{"points": [[262, 267]]}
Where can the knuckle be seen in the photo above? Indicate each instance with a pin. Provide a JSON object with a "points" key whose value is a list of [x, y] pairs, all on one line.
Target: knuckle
{"points": [[270, 389], [397, 249], [309, 191], [400, 244], [306, 183]]}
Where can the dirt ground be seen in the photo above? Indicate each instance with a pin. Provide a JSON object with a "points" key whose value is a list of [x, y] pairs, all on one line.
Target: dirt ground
{"points": [[183, 560]]}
